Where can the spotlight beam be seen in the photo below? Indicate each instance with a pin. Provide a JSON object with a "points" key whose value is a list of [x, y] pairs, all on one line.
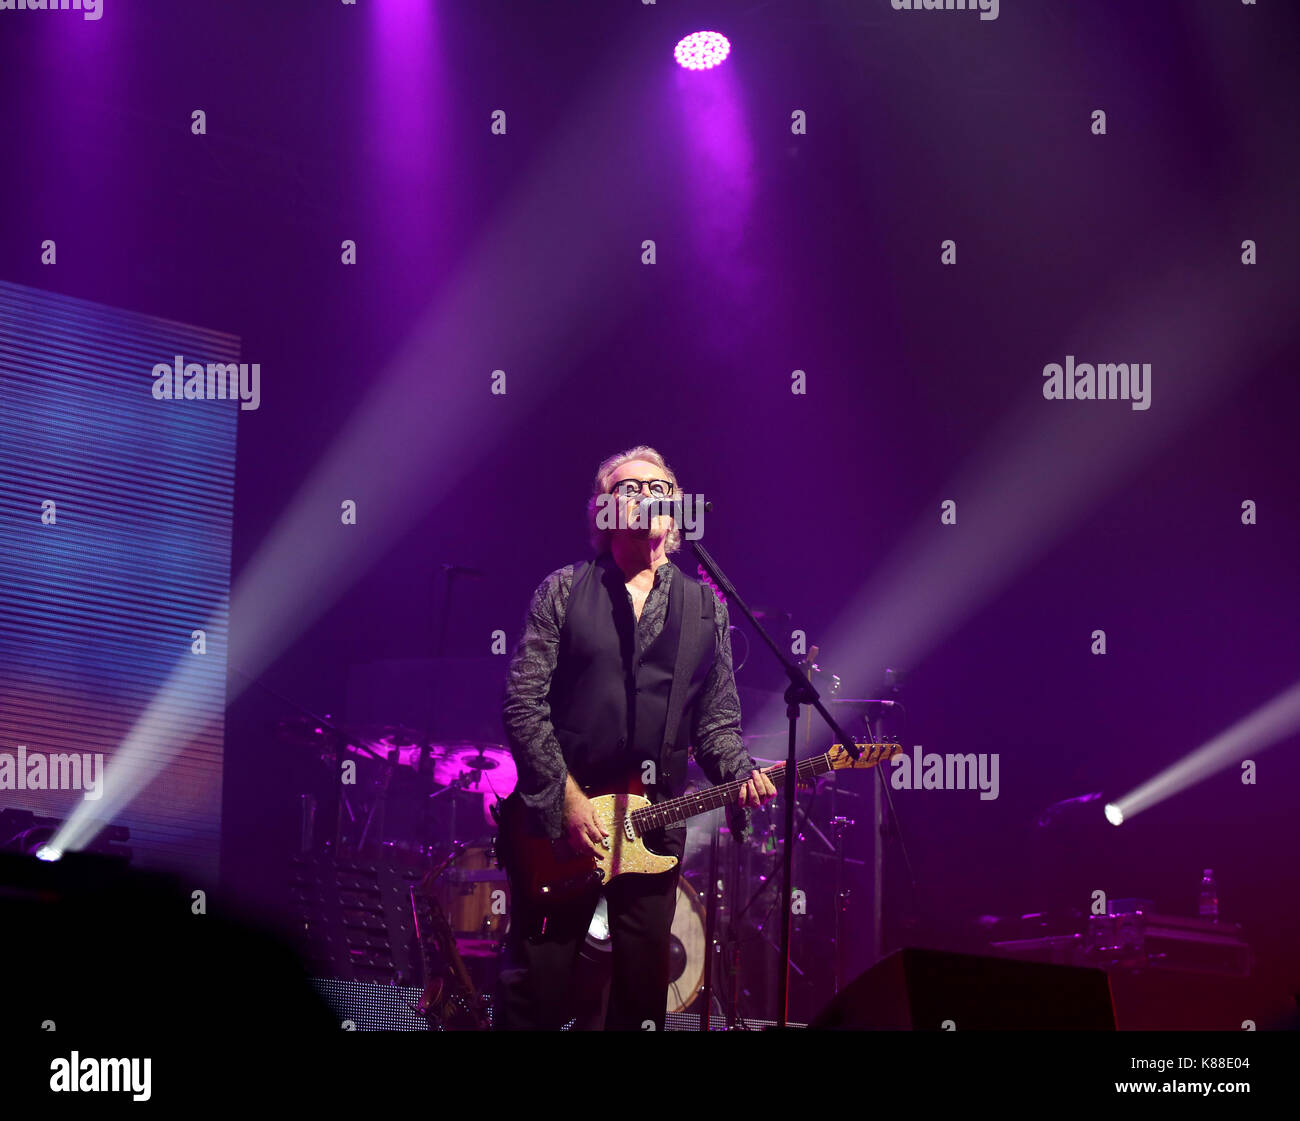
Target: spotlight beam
{"points": [[1275, 721], [429, 422], [1051, 462]]}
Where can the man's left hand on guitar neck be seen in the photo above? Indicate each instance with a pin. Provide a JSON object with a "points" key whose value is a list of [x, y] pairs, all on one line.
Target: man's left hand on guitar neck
{"points": [[757, 791]]}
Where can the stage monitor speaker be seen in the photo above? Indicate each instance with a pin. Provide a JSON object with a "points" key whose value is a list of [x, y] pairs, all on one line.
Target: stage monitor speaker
{"points": [[930, 990]]}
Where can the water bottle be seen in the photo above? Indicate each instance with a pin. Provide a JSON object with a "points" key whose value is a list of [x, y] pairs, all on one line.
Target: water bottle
{"points": [[1209, 908]]}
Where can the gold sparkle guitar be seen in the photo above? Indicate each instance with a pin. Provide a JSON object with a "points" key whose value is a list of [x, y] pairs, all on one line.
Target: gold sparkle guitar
{"points": [[549, 872]]}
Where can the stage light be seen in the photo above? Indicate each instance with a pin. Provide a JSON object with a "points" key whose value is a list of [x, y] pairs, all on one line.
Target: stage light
{"points": [[1271, 723], [48, 852], [702, 50], [1114, 814]]}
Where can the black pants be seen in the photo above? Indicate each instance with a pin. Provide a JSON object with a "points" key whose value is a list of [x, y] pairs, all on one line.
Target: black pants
{"points": [[544, 981]]}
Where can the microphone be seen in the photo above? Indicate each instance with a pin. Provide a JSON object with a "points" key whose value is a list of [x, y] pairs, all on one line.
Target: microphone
{"points": [[671, 507]]}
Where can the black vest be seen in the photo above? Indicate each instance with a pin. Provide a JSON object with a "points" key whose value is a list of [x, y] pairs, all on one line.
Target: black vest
{"points": [[610, 709]]}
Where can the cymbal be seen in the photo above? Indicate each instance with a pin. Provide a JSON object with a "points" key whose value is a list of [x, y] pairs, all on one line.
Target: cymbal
{"points": [[867, 704], [394, 743], [488, 767]]}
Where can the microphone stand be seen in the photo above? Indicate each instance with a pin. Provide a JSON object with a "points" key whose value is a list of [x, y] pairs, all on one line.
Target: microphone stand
{"points": [[710, 934], [799, 692]]}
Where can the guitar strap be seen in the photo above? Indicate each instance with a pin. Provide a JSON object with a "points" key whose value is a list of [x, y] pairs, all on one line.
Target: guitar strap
{"points": [[696, 605]]}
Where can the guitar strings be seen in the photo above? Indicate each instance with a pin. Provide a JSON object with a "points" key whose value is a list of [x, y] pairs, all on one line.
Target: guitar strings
{"points": [[647, 818]]}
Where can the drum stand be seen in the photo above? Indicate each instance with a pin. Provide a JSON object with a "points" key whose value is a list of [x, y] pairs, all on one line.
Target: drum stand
{"points": [[730, 944], [710, 929], [727, 892], [842, 893]]}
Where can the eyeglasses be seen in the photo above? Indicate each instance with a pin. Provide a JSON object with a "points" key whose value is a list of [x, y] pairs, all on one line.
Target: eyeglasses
{"points": [[631, 488]]}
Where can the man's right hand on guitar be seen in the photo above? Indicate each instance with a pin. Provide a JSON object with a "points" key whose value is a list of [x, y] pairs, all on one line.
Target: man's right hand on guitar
{"points": [[581, 829]]}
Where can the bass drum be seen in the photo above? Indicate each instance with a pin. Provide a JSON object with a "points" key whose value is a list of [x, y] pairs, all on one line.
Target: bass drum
{"points": [[685, 945], [686, 949], [474, 895]]}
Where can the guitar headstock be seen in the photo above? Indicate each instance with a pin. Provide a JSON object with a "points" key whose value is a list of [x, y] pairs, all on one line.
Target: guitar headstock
{"points": [[872, 754]]}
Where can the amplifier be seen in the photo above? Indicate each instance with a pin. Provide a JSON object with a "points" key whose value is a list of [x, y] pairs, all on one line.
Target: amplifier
{"points": [[1143, 940], [354, 918], [931, 990], [1186, 945]]}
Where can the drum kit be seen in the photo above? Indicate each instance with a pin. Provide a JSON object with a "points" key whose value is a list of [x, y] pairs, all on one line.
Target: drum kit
{"points": [[428, 806], [413, 800]]}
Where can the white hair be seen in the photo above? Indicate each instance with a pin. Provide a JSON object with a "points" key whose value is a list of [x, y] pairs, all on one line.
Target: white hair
{"points": [[600, 537]]}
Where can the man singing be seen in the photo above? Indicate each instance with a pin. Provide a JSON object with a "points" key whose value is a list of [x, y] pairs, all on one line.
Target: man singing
{"points": [[613, 650]]}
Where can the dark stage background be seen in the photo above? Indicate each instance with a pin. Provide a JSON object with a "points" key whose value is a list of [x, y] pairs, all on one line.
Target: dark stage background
{"points": [[778, 247]]}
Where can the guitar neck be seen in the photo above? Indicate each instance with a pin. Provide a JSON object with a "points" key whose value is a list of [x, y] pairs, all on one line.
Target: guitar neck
{"points": [[672, 812]]}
